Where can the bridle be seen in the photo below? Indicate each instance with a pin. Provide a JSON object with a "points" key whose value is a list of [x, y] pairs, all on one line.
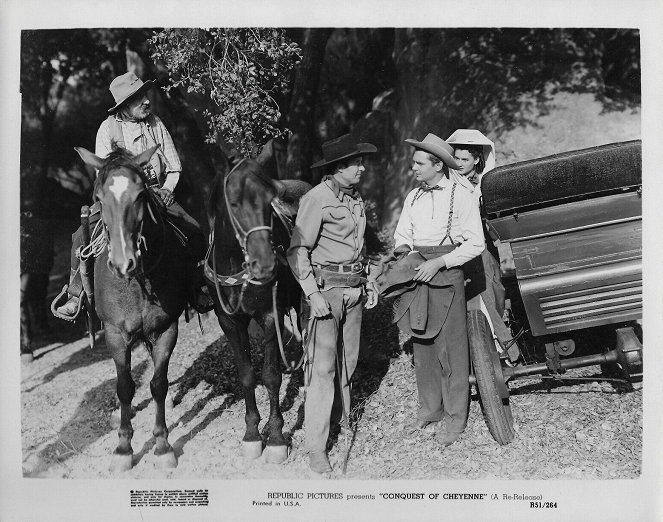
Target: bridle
{"points": [[243, 278]]}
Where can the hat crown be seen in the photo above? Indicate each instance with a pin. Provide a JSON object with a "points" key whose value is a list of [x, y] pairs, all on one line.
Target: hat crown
{"points": [[436, 141], [338, 148], [124, 85]]}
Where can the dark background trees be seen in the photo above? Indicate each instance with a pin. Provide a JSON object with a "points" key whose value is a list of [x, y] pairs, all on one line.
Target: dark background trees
{"points": [[304, 86]]}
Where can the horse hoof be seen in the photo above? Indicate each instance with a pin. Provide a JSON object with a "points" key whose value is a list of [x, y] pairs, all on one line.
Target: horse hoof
{"points": [[168, 460], [121, 463], [27, 357], [276, 454], [251, 449]]}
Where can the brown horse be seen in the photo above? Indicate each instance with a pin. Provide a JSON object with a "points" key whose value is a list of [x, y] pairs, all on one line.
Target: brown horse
{"points": [[139, 288], [249, 280]]}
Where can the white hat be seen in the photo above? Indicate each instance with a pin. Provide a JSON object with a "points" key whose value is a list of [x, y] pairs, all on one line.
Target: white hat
{"points": [[475, 137]]}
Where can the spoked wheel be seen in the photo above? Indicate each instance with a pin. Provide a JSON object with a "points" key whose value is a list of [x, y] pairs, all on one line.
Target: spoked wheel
{"points": [[493, 390]]}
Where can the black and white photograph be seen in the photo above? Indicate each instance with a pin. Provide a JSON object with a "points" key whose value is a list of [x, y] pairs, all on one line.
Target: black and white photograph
{"points": [[291, 262]]}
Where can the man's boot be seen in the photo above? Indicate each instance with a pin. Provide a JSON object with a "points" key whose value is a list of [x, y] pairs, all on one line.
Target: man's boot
{"points": [[70, 309], [319, 462]]}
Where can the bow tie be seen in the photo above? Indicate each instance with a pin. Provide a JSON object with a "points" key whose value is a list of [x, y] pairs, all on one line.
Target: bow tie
{"points": [[474, 179], [424, 189]]}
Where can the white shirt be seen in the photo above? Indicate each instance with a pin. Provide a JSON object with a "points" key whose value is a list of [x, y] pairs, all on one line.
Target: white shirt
{"points": [[140, 136], [423, 222]]}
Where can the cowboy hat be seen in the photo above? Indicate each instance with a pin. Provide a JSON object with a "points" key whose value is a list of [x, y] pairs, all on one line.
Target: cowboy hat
{"points": [[125, 86], [341, 148], [438, 148], [475, 137]]}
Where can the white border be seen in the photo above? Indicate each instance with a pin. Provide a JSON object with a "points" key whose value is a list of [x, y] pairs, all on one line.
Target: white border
{"points": [[34, 499]]}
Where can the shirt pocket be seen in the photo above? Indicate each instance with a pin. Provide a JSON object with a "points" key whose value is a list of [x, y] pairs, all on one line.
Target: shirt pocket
{"points": [[336, 214]]}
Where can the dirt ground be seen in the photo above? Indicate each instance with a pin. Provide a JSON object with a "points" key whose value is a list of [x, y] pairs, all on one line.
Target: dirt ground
{"points": [[568, 429], [576, 430]]}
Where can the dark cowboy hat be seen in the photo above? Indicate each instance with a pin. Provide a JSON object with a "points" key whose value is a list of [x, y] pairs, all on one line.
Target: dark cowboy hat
{"points": [[125, 86], [344, 147], [438, 148]]}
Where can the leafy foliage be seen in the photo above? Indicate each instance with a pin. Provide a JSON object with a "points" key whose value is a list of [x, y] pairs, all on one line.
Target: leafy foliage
{"points": [[244, 71]]}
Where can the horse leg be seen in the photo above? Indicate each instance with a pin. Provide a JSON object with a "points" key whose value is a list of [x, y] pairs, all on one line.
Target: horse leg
{"points": [[237, 333], [121, 353], [161, 353], [277, 446]]}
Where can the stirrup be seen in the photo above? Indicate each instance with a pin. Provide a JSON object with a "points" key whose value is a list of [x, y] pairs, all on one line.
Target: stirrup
{"points": [[57, 301]]}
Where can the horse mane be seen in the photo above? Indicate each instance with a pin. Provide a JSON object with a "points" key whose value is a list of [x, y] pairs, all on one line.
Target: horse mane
{"points": [[217, 187], [118, 158]]}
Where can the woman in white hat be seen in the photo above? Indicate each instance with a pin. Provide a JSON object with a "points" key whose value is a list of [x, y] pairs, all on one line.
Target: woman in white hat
{"points": [[475, 155]]}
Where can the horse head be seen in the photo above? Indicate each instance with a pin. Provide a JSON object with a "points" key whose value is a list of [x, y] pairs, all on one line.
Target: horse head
{"points": [[248, 195], [121, 189]]}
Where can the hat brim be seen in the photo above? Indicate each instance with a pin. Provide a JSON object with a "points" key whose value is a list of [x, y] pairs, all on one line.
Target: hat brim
{"points": [[438, 152], [145, 87], [361, 150]]}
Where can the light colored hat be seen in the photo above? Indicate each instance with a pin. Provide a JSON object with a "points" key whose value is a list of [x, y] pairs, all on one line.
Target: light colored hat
{"points": [[125, 86], [437, 147], [475, 137]]}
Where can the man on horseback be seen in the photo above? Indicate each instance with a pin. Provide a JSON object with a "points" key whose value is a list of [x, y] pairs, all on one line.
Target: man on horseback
{"points": [[326, 255], [132, 126]]}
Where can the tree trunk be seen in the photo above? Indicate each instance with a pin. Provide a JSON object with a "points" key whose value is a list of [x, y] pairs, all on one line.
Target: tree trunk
{"points": [[304, 96]]}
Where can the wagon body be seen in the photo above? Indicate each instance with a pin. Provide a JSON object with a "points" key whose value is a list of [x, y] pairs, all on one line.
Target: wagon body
{"points": [[568, 232]]}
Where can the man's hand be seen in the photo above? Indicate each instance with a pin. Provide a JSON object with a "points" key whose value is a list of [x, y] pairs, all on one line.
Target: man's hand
{"points": [[372, 294], [319, 305], [428, 269], [166, 196]]}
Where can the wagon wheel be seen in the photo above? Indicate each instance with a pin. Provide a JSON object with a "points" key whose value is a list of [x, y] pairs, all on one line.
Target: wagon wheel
{"points": [[493, 391]]}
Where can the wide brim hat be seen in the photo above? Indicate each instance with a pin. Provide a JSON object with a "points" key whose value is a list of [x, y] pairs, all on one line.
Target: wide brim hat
{"points": [[438, 148], [125, 86], [342, 148], [475, 137]]}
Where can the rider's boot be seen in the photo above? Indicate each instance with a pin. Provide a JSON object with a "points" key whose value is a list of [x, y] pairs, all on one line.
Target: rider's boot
{"points": [[69, 310]]}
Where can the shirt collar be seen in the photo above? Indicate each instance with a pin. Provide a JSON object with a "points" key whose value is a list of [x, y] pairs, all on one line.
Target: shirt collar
{"points": [[335, 187], [134, 129]]}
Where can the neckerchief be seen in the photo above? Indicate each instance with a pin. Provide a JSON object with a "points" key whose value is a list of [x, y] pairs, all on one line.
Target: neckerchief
{"points": [[350, 191]]}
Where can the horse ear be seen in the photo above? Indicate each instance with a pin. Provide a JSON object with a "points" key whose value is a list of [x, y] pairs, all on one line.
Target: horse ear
{"points": [[144, 157], [266, 154], [89, 158], [280, 188]]}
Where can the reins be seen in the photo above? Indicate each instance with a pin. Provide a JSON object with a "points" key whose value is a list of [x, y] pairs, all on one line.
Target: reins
{"points": [[244, 277]]}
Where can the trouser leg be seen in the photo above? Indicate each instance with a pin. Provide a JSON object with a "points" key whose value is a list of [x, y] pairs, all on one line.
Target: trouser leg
{"points": [[452, 351], [428, 373], [197, 244], [75, 282], [346, 309], [348, 352]]}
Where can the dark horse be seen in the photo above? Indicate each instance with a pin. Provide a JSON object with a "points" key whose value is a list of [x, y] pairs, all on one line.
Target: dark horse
{"points": [[139, 288], [249, 280]]}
